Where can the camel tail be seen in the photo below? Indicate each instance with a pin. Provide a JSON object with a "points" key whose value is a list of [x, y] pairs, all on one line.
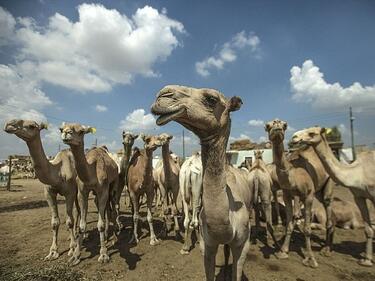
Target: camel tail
{"points": [[256, 188], [185, 181]]}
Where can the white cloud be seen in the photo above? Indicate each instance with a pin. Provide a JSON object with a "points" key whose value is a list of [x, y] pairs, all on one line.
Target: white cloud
{"points": [[101, 108], [308, 86], [138, 120], [101, 49], [256, 123], [228, 53], [52, 135], [240, 137], [262, 139], [7, 24]]}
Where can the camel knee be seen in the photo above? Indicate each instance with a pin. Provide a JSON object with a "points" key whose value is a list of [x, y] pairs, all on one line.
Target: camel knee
{"points": [[69, 223], [307, 230], [55, 223], [101, 225], [149, 217], [369, 231], [186, 221], [82, 227]]}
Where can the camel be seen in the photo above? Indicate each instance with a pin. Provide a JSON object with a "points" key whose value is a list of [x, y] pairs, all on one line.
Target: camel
{"points": [[358, 176], [97, 172], [226, 198], [190, 190], [167, 172], [301, 175], [141, 181], [59, 176], [261, 181]]}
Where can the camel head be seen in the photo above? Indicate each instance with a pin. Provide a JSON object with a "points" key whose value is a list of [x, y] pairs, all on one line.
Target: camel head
{"points": [[165, 138], [24, 129], [258, 154], [276, 130], [203, 111], [128, 138], [151, 142], [311, 136], [73, 133]]}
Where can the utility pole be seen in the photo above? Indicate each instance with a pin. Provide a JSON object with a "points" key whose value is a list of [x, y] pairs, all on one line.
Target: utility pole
{"points": [[352, 132], [59, 147], [10, 173], [96, 142], [183, 144]]}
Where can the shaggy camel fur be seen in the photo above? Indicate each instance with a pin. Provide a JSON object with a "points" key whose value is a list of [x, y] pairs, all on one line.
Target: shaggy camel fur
{"points": [[58, 174], [191, 174], [167, 173], [301, 175], [261, 182], [141, 181], [359, 177], [227, 199], [97, 172]]}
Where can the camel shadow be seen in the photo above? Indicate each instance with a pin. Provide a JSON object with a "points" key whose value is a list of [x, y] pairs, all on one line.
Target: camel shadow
{"points": [[351, 248], [226, 274]]}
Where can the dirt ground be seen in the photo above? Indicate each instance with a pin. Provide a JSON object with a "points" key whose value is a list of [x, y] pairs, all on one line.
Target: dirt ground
{"points": [[25, 238]]}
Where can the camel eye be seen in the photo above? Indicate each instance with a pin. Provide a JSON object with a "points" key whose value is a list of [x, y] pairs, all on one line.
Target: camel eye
{"points": [[210, 100], [311, 134]]}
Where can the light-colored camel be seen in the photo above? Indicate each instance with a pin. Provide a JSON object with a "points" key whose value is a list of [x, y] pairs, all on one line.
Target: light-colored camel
{"points": [[97, 172], [261, 182], [345, 214], [59, 175], [227, 199], [191, 174], [359, 177], [301, 175], [141, 181], [167, 174]]}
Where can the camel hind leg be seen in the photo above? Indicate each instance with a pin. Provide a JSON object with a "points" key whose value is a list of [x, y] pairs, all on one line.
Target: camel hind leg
{"points": [[55, 222], [239, 256], [150, 198], [330, 225], [69, 201]]}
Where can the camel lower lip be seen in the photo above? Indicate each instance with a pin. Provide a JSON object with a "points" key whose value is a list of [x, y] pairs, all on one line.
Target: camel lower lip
{"points": [[165, 118]]}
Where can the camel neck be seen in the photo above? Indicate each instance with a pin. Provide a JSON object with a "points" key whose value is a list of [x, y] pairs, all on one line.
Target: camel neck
{"points": [[166, 164], [44, 170], [279, 156], [340, 172], [125, 160], [147, 175], [82, 166], [214, 164]]}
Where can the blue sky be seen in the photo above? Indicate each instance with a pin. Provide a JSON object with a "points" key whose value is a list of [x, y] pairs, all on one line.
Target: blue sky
{"points": [[101, 63]]}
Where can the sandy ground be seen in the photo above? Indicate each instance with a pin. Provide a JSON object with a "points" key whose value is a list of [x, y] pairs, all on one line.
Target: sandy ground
{"points": [[25, 238]]}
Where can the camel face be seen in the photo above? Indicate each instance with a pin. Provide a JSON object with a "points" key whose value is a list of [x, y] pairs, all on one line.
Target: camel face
{"points": [[310, 136], [276, 130], [151, 142], [165, 138], [24, 129], [199, 110], [258, 154], [128, 138], [73, 133]]}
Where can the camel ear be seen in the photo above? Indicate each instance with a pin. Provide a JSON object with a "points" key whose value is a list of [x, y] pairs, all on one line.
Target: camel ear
{"points": [[267, 127], [285, 126], [234, 103], [123, 133], [170, 137], [323, 130], [43, 126], [89, 129], [143, 136], [135, 136]]}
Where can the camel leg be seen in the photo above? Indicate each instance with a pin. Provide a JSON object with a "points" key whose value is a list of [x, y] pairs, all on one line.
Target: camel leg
{"points": [[267, 209], [369, 231], [310, 259], [102, 202], [55, 222], [175, 212], [135, 208], [150, 198], [77, 216], [209, 261], [69, 201], [277, 207], [330, 226], [239, 257], [283, 253], [187, 238]]}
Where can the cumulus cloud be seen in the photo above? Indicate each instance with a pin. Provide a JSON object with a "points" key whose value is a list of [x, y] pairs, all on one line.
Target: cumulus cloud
{"points": [[240, 137], [52, 135], [228, 53], [309, 86], [138, 120], [102, 48], [256, 123], [101, 108]]}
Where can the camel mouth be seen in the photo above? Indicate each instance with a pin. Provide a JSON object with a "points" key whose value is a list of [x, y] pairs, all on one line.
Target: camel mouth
{"points": [[297, 145], [165, 117], [10, 129]]}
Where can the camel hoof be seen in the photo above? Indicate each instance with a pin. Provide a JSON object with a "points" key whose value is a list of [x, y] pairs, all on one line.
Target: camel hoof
{"points": [[103, 258], [281, 255], [311, 262], [326, 251], [365, 262], [184, 252], [134, 240], [74, 261], [154, 242], [71, 252], [52, 256]]}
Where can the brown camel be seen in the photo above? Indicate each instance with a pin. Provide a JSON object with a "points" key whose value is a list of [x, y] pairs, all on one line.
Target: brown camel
{"points": [[128, 139], [97, 172], [141, 181], [359, 177], [167, 176], [227, 199], [303, 176], [59, 175]]}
